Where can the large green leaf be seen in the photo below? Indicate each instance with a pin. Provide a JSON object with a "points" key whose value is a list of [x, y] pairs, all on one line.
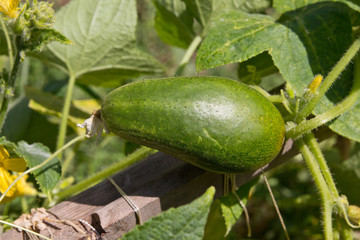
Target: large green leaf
{"points": [[105, 51], [285, 5], [302, 43], [34, 154], [185, 222], [225, 211], [238, 36], [173, 23]]}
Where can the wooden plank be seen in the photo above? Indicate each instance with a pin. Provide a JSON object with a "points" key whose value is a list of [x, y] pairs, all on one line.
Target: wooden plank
{"points": [[153, 184]]}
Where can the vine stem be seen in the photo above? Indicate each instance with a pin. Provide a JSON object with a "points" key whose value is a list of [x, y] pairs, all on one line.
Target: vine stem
{"points": [[189, 52], [65, 112], [79, 138], [326, 197], [8, 42], [334, 112], [10, 84], [316, 151], [138, 155], [329, 80]]}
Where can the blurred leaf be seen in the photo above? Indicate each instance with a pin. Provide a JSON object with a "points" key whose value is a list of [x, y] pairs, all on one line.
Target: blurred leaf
{"points": [[225, 211], [250, 6], [52, 104], [105, 51], [282, 6], [185, 222], [346, 173], [3, 44], [200, 9], [86, 105], [36, 153], [173, 23], [22, 123]]}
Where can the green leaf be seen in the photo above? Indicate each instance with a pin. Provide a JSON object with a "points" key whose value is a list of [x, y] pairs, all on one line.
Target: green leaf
{"points": [[251, 71], [201, 10], [238, 36], [185, 222], [302, 43], [173, 23], [105, 51], [41, 37], [292, 43], [225, 211], [36, 153], [282, 6]]}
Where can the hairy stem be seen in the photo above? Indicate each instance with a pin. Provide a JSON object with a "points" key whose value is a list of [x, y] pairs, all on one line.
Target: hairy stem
{"points": [[329, 80], [326, 197], [334, 112], [139, 154], [319, 157], [65, 113]]}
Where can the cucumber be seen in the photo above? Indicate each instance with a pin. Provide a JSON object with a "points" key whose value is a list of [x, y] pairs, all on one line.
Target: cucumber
{"points": [[214, 123]]}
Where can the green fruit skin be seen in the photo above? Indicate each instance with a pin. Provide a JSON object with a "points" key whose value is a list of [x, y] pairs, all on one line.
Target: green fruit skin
{"points": [[214, 123]]}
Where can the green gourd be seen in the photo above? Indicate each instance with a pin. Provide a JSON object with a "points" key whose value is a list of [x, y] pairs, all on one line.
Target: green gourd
{"points": [[217, 124]]}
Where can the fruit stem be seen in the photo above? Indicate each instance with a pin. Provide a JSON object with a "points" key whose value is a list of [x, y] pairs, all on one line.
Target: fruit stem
{"points": [[136, 156], [326, 197], [329, 80]]}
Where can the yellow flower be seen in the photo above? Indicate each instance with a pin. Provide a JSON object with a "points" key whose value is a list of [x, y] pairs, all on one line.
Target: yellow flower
{"points": [[9, 164], [10, 7], [22, 188]]}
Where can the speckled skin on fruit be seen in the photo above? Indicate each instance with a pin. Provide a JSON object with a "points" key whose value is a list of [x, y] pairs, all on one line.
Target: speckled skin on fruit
{"points": [[217, 124]]}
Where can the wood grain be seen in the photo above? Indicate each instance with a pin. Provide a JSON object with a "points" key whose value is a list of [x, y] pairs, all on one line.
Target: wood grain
{"points": [[153, 184]]}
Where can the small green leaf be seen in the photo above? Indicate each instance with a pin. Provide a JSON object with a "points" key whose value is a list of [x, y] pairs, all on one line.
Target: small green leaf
{"points": [[225, 211], [172, 23], [41, 37], [36, 153], [282, 6], [185, 222], [104, 51]]}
